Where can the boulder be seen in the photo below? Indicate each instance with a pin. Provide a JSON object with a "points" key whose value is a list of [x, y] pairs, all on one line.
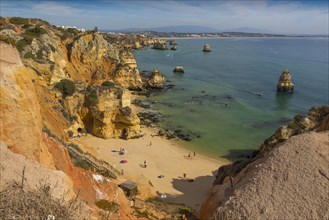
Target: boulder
{"points": [[179, 69], [285, 84], [206, 48]]}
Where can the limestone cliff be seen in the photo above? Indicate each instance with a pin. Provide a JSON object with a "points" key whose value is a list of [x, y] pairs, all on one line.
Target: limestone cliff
{"points": [[20, 111], [107, 113], [292, 158]]}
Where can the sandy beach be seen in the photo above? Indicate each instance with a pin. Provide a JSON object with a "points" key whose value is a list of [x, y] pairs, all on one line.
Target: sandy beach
{"points": [[162, 157]]}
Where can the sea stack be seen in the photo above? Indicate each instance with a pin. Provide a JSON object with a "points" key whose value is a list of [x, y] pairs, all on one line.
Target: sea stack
{"points": [[160, 45], [173, 48], [179, 69], [285, 84], [206, 48]]}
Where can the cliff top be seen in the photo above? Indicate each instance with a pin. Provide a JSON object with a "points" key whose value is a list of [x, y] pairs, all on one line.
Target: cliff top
{"points": [[289, 183]]}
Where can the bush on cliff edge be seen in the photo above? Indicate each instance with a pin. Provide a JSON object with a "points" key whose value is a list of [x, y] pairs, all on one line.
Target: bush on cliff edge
{"points": [[66, 87]]}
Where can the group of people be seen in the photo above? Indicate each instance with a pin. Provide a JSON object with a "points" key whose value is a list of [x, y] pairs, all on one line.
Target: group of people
{"points": [[189, 156]]}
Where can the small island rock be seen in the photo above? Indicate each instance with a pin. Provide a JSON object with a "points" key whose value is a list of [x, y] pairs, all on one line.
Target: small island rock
{"points": [[173, 48], [206, 48], [285, 84], [179, 69], [160, 45]]}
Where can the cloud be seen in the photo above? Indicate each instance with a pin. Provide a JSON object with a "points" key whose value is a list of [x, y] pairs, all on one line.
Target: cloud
{"points": [[56, 9]]}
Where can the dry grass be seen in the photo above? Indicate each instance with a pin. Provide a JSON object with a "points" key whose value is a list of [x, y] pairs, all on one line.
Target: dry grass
{"points": [[17, 202]]}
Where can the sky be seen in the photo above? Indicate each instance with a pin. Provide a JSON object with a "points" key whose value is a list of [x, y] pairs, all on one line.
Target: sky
{"points": [[294, 17]]}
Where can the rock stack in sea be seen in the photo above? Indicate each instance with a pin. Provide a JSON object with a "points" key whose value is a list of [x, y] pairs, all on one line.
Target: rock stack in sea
{"points": [[285, 84], [206, 48], [179, 69], [160, 45], [156, 80]]}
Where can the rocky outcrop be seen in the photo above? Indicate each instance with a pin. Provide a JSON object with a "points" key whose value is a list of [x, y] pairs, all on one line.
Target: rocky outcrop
{"points": [[230, 177], [179, 69], [156, 80], [206, 48], [20, 111], [291, 182], [127, 77], [160, 45], [107, 114], [285, 84], [314, 120], [128, 59]]}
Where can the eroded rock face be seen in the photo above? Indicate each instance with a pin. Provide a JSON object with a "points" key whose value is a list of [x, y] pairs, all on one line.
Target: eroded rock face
{"points": [[127, 77], [285, 84], [111, 116], [20, 111]]}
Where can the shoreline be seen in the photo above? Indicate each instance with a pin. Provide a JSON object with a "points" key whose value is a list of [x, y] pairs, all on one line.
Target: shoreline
{"points": [[180, 38], [163, 157]]}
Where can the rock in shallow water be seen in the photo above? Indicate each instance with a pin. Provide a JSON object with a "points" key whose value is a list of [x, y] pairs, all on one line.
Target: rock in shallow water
{"points": [[285, 84]]}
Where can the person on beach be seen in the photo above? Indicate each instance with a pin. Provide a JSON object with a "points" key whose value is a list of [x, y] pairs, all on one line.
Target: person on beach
{"points": [[189, 155], [184, 175], [194, 154], [150, 143], [145, 164]]}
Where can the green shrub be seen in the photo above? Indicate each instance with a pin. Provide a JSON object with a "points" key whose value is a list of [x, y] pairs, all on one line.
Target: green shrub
{"points": [[107, 206], [8, 40], [39, 54], [66, 87], [82, 164], [26, 26], [18, 20], [29, 55], [108, 84], [35, 31], [92, 98], [21, 44]]}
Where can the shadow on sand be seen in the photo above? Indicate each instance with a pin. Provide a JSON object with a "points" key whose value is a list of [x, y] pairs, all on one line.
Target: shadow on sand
{"points": [[194, 193]]}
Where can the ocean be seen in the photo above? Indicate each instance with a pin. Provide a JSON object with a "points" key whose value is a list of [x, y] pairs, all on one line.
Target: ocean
{"points": [[215, 99]]}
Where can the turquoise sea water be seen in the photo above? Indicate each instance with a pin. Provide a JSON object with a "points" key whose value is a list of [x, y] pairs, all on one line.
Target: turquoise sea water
{"points": [[230, 74]]}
